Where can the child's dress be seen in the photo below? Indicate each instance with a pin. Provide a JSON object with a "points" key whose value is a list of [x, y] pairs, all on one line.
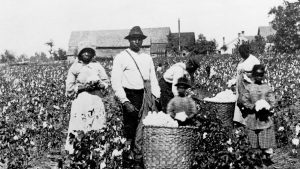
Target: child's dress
{"points": [[259, 123], [182, 104]]}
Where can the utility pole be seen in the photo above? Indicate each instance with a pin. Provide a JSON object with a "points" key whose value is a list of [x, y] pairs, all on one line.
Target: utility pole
{"points": [[179, 48]]}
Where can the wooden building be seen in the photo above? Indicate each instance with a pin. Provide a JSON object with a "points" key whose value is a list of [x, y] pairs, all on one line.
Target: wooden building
{"points": [[109, 43]]}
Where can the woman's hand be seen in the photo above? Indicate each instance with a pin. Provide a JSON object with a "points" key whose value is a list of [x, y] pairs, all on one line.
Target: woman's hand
{"points": [[81, 87]]}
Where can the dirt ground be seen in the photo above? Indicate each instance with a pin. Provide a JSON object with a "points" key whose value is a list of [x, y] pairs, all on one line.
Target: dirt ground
{"points": [[282, 159]]}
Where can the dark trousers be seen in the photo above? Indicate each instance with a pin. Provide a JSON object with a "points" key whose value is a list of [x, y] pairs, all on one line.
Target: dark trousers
{"points": [[131, 119], [166, 94]]}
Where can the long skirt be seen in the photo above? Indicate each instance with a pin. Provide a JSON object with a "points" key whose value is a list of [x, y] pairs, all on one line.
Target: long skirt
{"points": [[264, 138], [166, 93], [240, 88], [87, 113]]}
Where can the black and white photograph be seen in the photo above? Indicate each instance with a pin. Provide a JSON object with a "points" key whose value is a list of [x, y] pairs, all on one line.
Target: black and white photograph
{"points": [[149, 84]]}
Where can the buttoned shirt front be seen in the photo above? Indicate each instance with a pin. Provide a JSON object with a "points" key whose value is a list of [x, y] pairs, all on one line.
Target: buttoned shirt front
{"points": [[125, 73]]}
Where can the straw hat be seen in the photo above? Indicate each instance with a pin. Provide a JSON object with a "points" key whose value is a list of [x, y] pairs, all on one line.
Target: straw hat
{"points": [[86, 46]]}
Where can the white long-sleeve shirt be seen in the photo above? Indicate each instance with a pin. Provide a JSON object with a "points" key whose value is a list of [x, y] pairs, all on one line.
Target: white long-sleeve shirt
{"points": [[175, 72], [125, 74], [248, 64], [79, 73]]}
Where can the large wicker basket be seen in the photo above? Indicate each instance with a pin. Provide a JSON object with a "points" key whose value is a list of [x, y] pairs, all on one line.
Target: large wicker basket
{"points": [[224, 111], [168, 147]]}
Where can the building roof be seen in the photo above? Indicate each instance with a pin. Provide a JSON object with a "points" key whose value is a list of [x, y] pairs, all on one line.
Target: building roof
{"points": [[265, 31], [186, 38], [115, 38]]}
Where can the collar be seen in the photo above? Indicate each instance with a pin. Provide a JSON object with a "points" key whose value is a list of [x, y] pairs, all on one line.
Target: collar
{"points": [[133, 52], [93, 60]]}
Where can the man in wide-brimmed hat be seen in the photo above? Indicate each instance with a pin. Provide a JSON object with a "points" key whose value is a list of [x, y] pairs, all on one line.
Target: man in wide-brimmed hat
{"points": [[134, 81]]}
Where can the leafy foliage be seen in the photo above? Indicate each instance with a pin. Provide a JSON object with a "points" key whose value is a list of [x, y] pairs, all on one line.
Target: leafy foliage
{"points": [[7, 56], [34, 115], [286, 24], [60, 54], [258, 45], [204, 46]]}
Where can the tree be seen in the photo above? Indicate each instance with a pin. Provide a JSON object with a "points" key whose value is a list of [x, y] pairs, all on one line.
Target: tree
{"points": [[172, 45], [286, 24], [224, 48], [7, 57], [204, 46], [50, 44], [258, 45], [39, 57], [60, 54], [22, 58]]}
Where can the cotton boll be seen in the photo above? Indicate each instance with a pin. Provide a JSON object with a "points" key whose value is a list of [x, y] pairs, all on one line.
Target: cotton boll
{"points": [[262, 103], [93, 78], [295, 141], [159, 119], [280, 128], [297, 129], [204, 135], [224, 96], [230, 149]]}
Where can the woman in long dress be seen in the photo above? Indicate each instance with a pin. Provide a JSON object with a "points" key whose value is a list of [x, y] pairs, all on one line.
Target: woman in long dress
{"points": [[244, 67], [85, 80]]}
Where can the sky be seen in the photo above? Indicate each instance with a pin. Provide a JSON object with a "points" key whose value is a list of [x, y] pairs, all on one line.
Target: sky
{"points": [[26, 25]]}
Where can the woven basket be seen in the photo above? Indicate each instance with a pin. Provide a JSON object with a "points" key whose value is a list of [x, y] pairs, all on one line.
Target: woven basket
{"points": [[168, 147], [224, 110]]}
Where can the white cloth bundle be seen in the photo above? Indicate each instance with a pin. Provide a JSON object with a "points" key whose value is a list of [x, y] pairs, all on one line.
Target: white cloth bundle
{"points": [[262, 103]]}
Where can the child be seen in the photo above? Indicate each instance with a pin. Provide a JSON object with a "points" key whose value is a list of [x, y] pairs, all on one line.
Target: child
{"points": [[181, 107], [257, 100]]}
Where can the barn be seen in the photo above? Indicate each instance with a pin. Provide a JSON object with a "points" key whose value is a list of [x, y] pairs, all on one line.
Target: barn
{"points": [[108, 43]]}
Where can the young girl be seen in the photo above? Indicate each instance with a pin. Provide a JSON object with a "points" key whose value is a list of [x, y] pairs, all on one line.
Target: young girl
{"points": [[257, 100], [181, 107]]}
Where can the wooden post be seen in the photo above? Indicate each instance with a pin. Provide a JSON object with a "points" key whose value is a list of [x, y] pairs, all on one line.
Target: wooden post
{"points": [[179, 48]]}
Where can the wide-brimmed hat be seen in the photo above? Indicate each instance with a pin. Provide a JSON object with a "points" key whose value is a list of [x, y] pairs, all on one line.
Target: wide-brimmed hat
{"points": [[183, 81], [136, 32], [86, 46]]}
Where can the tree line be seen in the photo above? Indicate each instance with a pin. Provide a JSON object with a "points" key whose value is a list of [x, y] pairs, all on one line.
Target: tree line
{"points": [[286, 22], [38, 57]]}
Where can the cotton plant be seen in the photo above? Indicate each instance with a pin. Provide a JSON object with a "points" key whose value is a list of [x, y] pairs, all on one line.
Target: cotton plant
{"points": [[295, 140]]}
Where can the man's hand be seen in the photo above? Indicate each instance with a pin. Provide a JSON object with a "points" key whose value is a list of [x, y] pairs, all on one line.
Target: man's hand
{"points": [[129, 107]]}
